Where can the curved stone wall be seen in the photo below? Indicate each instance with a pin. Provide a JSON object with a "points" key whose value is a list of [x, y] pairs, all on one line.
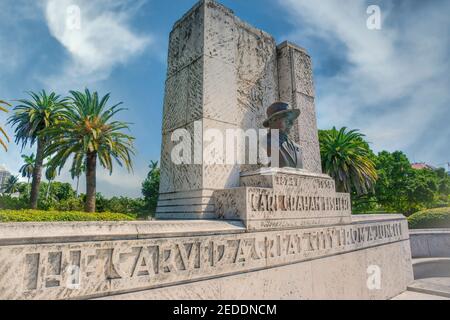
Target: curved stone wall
{"points": [[430, 243]]}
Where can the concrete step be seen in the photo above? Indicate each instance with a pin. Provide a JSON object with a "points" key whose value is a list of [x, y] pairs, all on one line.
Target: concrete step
{"points": [[425, 268], [411, 295], [438, 286]]}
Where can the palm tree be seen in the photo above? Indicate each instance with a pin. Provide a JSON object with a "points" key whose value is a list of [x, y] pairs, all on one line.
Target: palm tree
{"points": [[150, 186], [28, 167], [2, 131], [88, 133], [50, 174], [31, 117], [347, 158], [76, 172], [12, 185], [153, 165]]}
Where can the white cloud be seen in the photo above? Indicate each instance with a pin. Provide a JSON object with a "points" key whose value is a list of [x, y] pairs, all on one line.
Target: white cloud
{"points": [[395, 84], [104, 40]]}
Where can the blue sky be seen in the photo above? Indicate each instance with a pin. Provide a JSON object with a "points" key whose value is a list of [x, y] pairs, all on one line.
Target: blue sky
{"points": [[393, 83]]}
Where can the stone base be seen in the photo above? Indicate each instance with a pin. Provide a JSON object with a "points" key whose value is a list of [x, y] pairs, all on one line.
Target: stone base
{"points": [[195, 205], [342, 276], [274, 198], [203, 260]]}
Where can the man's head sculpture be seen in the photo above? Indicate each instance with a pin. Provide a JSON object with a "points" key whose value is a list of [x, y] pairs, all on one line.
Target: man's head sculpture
{"points": [[280, 116]]}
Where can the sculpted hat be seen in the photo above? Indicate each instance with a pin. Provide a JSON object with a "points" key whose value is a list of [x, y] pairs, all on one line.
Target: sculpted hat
{"points": [[280, 110]]}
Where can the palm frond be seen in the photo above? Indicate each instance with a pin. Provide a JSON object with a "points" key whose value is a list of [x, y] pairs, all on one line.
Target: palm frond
{"points": [[346, 158], [32, 116], [86, 126], [2, 131]]}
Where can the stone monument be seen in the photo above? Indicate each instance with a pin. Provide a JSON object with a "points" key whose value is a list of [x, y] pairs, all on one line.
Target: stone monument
{"points": [[225, 73], [244, 231]]}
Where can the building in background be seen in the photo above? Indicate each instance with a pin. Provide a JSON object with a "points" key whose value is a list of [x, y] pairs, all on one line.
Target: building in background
{"points": [[4, 176], [422, 166]]}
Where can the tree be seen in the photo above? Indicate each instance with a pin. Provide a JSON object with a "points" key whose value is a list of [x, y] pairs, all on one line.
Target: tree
{"points": [[62, 191], [347, 158], [31, 118], [421, 191], [12, 185], [150, 186], [28, 167], [2, 131], [50, 175], [402, 189], [443, 182], [76, 172], [88, 133]]}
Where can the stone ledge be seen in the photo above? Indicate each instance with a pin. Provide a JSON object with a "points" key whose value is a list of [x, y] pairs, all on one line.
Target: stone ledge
{"points": [[290, 171], [363, 218], [61, 232], [49, 232], [429, 231]]}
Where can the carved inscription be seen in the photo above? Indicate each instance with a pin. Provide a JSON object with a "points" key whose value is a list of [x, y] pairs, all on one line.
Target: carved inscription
{"points": [[268, 200], [92, 268], [302, 181], [275, 200]]}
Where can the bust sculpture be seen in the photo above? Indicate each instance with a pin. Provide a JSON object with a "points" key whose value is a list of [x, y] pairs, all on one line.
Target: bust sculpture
{"points": [[281, 116]]}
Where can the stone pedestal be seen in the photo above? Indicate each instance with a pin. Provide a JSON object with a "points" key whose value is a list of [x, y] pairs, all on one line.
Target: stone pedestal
{"points": [[273, 198]]}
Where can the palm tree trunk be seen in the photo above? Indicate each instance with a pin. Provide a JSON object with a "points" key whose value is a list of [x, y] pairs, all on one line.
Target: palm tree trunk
{"points": [[37, 174], [90, 182], [78, 184], [48, 189]]}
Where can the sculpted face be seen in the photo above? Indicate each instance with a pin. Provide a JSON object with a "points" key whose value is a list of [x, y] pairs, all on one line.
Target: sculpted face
{"points": [[284, 124]]}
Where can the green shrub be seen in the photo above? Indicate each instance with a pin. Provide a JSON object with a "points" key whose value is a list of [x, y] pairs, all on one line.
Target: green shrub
{"points": [[8, 202], [430, 219], [71, 204], [47, 216]]}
